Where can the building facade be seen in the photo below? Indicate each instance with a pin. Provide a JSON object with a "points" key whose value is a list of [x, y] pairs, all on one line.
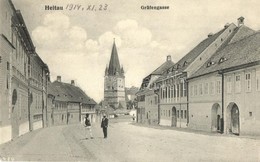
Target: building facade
{"points": [[173, 86], [148, 97], [229, 81], [17, 49]]}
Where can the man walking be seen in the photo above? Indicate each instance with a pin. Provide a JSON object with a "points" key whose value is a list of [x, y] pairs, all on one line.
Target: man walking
{"points": [[88, 127], [104, 125]]}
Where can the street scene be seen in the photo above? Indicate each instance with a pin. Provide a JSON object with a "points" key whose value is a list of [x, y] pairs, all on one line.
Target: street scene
{"points": [[128, 141], [142, 81]]}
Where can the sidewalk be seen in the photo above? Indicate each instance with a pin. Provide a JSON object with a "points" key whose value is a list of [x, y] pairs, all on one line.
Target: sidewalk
{"points": [[188, 130]]}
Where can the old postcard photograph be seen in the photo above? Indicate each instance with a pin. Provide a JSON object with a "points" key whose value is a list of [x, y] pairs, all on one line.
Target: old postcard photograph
{"points": [[129, 81]]}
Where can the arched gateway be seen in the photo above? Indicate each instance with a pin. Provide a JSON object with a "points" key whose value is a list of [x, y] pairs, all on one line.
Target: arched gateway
{"points": [[216, 118], [233, 121]]}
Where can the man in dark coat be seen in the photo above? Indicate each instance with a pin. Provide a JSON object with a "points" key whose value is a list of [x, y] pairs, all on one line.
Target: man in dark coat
{"points": [[104, 125]]}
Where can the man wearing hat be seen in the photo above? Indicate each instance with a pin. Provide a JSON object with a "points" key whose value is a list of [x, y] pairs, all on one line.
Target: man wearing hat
{"points": [[88, 127], [104, 125]]}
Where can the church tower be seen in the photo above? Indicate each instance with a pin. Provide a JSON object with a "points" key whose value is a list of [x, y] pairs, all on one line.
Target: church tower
{"points": [[114, 82]]}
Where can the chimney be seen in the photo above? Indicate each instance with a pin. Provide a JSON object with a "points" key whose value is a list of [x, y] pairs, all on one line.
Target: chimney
{"points": [[59, 78], [210, 34], [72, 82], [226, 26], [169, 58], [240, 21]]}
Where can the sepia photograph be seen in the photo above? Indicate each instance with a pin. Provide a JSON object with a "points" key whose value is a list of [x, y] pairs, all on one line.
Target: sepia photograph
{"points": [[130, 81]]}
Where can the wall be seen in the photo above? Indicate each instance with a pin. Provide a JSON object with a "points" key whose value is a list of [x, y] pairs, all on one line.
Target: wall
{"points": [[246, 100], [201, 102]]}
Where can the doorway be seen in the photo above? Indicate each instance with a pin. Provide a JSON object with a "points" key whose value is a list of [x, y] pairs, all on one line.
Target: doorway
{"points": [[174, 117]]}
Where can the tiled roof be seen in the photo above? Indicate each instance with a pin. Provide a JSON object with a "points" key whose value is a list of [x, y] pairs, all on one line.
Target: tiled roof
{"points": [[166, 65], [238, 53], [159, 71], [70, 93], [184, 62], [132, 90]]}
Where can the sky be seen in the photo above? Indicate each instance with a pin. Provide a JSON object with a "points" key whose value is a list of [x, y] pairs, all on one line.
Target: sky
{"points": [[77, 44]]}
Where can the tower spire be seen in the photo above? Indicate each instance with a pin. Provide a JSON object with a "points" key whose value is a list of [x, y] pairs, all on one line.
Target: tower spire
{"points": [[114, 65]]}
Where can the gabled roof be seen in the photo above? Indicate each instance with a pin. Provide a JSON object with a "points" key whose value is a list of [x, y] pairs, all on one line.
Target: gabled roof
{"points": [[131, 91], [235, 54], [114, 65], [166, 65], [183, 63], [69, 93], [159, 71]]}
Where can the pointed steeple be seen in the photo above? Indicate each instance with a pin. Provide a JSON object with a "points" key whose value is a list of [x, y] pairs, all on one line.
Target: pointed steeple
{"points": [[114, 65], [106, 71], [122, 70]]}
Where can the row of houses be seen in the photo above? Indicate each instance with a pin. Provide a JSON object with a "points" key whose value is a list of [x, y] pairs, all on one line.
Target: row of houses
{"points": [[28, 100], [68, 104], [213, 88]]}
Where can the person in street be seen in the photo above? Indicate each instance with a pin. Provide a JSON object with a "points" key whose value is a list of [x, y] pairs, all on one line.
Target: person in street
{"points": [[104, 125], [87, 125]]}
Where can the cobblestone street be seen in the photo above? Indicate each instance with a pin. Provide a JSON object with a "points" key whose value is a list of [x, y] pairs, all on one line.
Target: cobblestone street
{"points": [[128, 142]]}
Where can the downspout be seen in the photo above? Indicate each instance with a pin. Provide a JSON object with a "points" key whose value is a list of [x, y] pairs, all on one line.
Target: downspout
{"points": [[157, 92], [187, 93], [43, 117], [159, 109], [222, 101]]}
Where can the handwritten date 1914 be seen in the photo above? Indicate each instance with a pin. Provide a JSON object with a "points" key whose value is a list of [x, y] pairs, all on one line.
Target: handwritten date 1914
{"points": [[79, 7]]}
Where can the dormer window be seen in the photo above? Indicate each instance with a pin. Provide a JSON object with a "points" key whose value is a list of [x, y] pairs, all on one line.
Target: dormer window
{"points": [[222, 59], [185, 63], [178, 66], [210, 63]]}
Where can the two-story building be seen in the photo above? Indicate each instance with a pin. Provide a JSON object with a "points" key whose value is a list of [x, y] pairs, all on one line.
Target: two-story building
{"points": [[172, 85], [147, 97], [224, 92]]}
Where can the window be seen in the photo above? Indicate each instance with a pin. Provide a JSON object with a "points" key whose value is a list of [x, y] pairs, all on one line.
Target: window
{"points": [[212, 88], [258, 80], [169, 113], [182, 114], [200, 90], [178, 90], [191, 90], [218, 87], [229, 84], [195, 90], [172, 91], [206, 88], [161, 92], [181, 89], [7, 82], [178, 115], [248, 82], [250, 114], [185, 89], [238, 84], [185, 114]]}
